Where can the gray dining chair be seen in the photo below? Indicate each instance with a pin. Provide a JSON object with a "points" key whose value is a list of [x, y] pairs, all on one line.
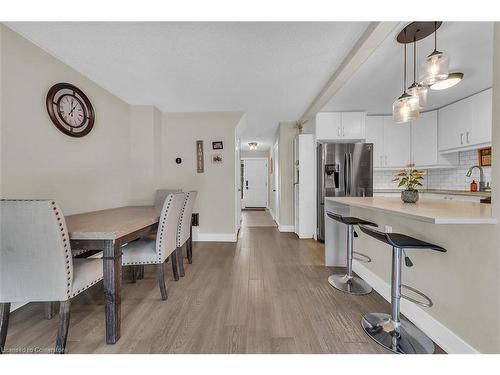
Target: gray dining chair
{"points": [[184, 231], [161, 195], [36, 263], [150, 251]]}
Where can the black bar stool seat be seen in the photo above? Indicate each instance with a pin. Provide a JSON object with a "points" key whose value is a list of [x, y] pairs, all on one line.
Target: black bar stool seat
{"points": [[347, 282], [390, 331]]}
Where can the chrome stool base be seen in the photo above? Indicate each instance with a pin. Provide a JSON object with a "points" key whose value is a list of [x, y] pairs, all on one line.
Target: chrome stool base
{"points": [[410, 340], [350, 285]]}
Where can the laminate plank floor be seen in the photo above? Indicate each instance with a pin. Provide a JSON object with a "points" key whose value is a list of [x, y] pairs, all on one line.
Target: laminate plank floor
{"points": [[267, 293], [257, 218]]}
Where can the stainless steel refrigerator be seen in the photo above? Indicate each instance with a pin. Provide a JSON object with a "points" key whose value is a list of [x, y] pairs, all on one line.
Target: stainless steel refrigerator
{"points": [[344, 170]]}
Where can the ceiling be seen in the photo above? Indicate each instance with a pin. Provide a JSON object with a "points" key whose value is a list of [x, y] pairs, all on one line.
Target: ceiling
{"points": [[272, 71], [379, 81]]}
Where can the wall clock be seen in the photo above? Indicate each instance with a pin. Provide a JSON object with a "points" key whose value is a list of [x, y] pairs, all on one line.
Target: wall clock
{"points": [[70, 110]]}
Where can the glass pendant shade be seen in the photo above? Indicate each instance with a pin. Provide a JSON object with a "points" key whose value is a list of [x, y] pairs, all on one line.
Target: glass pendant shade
{"points": [[420, 92], [434, 68], [405, 108]]}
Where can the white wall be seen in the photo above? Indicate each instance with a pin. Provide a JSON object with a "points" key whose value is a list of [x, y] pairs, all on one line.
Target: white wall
{"points": [[216, 186], [287, 133], [37, 160]]}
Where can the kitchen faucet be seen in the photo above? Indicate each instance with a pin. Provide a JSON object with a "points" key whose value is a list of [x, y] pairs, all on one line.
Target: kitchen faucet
{"points": [[481, 176]]}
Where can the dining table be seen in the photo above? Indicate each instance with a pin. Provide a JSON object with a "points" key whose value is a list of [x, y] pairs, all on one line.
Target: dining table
{"points": [[108, 230]]}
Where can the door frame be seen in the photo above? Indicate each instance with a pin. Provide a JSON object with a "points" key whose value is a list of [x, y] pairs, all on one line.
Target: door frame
{"points": [[267, 175]]}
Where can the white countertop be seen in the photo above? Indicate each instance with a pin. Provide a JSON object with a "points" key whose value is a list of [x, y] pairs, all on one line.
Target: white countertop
{"points": [[428, 210]]}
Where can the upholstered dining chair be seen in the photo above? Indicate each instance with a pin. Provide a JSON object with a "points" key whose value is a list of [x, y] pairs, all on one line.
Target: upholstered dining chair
{"points": [[36, 263], [161, 195], [184, 231], [148, 251]]}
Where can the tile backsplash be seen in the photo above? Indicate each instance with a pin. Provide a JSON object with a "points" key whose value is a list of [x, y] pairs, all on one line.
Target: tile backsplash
{"points": [[447, 179]]}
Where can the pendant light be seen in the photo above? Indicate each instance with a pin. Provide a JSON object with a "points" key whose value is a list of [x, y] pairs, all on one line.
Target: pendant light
{"points": [[452, 80], [416, 89], [405, 108], [435, 67]]}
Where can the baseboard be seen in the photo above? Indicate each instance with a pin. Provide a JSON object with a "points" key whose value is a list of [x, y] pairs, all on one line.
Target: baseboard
{"points": [[286, 228], [441, 335], [213, 237]]}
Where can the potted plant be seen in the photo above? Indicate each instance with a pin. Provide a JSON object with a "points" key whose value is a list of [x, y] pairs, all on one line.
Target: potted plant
{"points": [[410, 178]]}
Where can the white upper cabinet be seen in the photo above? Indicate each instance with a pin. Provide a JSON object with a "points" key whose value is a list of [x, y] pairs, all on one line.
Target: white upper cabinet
{"points": [[424, 139], [396, 143], [375, 134], [466, 124], [480, 128], [353, 125], [341, 126], [424, 142]]}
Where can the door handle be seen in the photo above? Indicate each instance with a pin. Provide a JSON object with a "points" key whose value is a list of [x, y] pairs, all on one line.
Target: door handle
{"points": [[345, 174], [349, 182]]}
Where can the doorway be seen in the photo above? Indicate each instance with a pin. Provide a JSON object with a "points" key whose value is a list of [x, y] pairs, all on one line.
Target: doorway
{"points": [[255, 189]]}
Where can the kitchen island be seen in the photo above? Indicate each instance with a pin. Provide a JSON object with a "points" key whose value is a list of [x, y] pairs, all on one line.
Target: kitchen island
{"points": [[462, 283]]}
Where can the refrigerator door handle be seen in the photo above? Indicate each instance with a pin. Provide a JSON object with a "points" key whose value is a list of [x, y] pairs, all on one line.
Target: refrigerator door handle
{"points": [[350, 174], [345, 174]]}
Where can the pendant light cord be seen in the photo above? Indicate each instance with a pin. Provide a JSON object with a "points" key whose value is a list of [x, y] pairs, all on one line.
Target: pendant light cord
{"points": [[414, 59], [435, 35], [404, 70]]}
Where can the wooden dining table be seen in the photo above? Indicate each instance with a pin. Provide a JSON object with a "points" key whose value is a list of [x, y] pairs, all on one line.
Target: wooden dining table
{"points": [[108, 230]]}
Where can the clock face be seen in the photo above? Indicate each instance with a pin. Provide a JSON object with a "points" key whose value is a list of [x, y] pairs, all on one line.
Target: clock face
{"points": [[70, 110]]}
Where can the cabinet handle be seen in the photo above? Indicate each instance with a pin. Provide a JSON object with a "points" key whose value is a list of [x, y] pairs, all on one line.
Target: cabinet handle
{"points": [[343, 131], [461, 138], [338, 131], [467, 137], [386, 160], [381, 160]]}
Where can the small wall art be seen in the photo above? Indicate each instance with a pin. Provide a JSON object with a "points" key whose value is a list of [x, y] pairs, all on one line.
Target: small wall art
{"points": [[484, 156], [199, 157], [216, 158], [217, 145]]}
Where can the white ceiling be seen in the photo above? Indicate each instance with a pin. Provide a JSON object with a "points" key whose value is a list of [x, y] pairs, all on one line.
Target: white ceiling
{"points": [[379, 81], [271, 71]]}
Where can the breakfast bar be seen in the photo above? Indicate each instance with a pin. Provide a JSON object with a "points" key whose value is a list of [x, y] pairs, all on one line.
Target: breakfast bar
{"points": [[456, 281]]}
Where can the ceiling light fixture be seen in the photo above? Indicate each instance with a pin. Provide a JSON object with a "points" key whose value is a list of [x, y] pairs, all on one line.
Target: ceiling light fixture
{"points": [[405, 108], [452, 80], [435, 67], [416, 89], [252, 145]]}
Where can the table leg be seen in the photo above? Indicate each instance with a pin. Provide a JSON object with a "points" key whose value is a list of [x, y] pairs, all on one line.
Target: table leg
{"points": [[112, 267]]}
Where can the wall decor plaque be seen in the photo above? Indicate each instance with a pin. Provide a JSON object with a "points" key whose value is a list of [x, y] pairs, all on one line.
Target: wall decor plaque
{"points": [[199, 157], [484, 156]]}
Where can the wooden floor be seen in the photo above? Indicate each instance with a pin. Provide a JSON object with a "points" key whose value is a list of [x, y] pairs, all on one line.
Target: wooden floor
{"points": [[266, 294], [257, 218]]}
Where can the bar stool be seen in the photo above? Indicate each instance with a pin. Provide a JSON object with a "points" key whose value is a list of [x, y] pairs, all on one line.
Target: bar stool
{"points": [[347, 282], [390, 331]]}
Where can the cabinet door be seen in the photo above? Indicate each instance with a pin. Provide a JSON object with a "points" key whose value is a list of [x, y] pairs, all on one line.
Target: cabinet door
{"points": [[353, 125], [374, 132], [479, 130], [454, 120], [424, 135], [328, 126], [396, 143]]}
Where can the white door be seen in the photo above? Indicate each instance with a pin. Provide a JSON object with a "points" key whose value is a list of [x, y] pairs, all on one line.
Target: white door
{"points": [[255, 182]]}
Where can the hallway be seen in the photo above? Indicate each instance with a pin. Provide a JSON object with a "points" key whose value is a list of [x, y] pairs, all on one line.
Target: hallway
{"points": [[257, 218]]}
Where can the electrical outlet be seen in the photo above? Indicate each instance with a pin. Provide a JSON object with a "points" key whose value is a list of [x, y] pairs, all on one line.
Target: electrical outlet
{"points": [[388, 229]]}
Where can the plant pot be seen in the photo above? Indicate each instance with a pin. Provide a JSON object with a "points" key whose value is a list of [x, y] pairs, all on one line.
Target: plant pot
{"points": [[409, 196]]}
